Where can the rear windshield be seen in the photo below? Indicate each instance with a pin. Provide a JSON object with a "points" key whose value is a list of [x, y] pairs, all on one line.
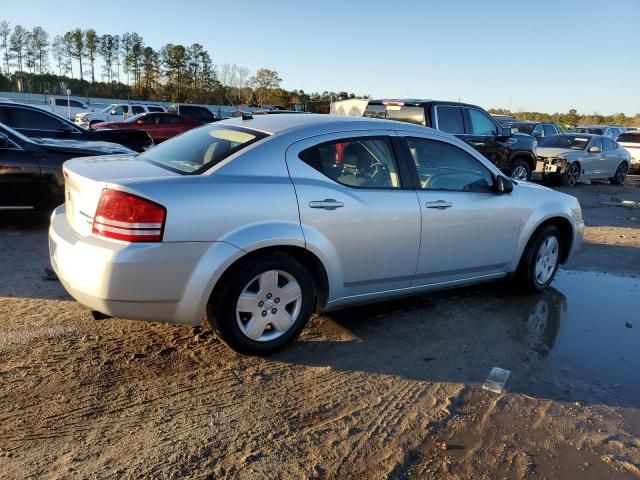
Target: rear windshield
{"points": [[523, 127], [396, 112], [629, 138], [574, 142], [199, 149], [593, 130]]}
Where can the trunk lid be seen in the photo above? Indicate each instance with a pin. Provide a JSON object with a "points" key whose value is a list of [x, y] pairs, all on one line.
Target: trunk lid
{"points": [[85, 178]]}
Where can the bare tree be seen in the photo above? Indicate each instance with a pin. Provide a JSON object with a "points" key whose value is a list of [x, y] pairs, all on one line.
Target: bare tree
{"points": [[60, 55]]}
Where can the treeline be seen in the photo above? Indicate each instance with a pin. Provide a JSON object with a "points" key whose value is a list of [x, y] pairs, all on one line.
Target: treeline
{"points": [[573, 118], [124, 66]]}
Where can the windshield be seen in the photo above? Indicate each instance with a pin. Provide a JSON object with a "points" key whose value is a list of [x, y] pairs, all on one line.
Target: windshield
{"points": [[109, 108], [574, 142], [523, 127], [593, 130], [396, 112], [201, 148]]}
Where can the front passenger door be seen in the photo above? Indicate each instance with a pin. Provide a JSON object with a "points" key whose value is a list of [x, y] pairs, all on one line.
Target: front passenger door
{"points": [[482, 133], [468, 230]]}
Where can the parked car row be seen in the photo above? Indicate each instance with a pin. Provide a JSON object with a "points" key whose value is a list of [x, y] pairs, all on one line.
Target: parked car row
{"points": [[513, 146]]}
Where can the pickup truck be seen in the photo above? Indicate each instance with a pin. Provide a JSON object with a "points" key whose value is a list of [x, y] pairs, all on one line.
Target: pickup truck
{"points": [[65, 108], [116, 112], [513, 153]]}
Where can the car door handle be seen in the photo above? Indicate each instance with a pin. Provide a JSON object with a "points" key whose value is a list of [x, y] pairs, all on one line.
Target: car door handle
{"points": [[327, 204], [439, 204]]}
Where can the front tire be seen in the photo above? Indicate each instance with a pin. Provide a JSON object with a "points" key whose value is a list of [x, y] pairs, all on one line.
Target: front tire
{"points": [[520, 170], [540, 260], [263, 305], [571, 175], [621, 174]]}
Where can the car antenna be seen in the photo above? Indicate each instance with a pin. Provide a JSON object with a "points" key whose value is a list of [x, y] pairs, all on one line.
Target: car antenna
{"points": [[245, 116]]}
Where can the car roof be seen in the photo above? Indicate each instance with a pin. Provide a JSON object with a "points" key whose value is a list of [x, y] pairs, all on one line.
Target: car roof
{"points": [[417, 102], [274, 124]]}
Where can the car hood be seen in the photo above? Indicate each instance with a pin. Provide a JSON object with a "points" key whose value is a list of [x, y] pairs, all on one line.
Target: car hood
{"points": [[555, 152], [83, 146]]}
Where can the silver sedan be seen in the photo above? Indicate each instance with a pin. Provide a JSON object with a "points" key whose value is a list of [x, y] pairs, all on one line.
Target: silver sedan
{"points": [[259, 222], [570, 158]]}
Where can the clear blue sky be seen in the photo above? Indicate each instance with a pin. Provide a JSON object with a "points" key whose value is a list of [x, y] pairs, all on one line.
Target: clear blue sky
{"points": [[548, 55]]}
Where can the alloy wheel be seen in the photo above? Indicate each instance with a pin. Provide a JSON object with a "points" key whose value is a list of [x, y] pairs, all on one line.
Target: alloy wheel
{"points": [[621, 173], [269, 305], [520, 173], [547, 259], [573, 174]]}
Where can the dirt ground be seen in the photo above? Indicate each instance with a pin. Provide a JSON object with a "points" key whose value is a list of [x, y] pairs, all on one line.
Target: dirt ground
{"points": [[389, 390]]}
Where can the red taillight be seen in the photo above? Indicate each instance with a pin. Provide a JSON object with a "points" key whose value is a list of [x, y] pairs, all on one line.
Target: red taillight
{"points": [[128, 217]]}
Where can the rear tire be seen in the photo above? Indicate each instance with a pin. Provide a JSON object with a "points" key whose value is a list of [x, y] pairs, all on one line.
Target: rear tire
{"points": [[520, 170], [540, 260], [248, 313], [621, 174]]}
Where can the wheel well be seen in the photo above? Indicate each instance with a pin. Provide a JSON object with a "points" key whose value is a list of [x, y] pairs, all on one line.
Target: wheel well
{"points": [[528, 159], [309, 261], [566, 234]]}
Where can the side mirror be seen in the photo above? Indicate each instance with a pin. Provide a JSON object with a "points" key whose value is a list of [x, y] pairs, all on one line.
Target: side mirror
{"points": [[112, 112], [594, 149], [503, 185], [4, 141], [506, 132]]}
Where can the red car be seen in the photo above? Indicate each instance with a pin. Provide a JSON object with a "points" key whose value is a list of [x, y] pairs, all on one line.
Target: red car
{"points": [[159, 126]]}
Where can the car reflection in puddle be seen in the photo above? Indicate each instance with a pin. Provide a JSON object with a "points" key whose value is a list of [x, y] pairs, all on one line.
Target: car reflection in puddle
{"points": [[572, 342]]}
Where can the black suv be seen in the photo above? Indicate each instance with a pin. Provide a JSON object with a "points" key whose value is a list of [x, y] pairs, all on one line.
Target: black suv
{"points": [[513, 153]]}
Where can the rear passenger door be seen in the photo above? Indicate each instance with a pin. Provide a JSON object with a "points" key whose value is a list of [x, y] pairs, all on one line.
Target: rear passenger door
{"points": [[612, 156], [358, 211]]}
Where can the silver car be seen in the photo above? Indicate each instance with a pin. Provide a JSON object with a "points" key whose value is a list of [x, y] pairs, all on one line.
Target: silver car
{"points": [[570, 158], [259, 222]]}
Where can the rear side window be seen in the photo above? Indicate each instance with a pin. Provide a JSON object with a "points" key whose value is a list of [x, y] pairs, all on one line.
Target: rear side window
{"points": [[136, 109], [608, 144], [400, 113], [450, 119], [355, 162], [596, 142], [442, 166], [23, 118], [155, 109], [201, 148]]}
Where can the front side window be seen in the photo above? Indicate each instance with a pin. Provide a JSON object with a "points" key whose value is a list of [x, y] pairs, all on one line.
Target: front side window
{"points": [[481, 124], [549, 130], [201, 148], [442, 166], [119, 110], [538, 131], [23, 118], [608, 144], [355, 162], [450, 119]]}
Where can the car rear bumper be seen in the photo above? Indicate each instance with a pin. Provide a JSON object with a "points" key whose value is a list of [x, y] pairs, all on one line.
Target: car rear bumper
{"points": [[164, 282]]}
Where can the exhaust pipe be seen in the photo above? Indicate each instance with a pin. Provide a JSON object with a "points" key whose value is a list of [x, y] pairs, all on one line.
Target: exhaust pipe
{"points": [[99, 315]]}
